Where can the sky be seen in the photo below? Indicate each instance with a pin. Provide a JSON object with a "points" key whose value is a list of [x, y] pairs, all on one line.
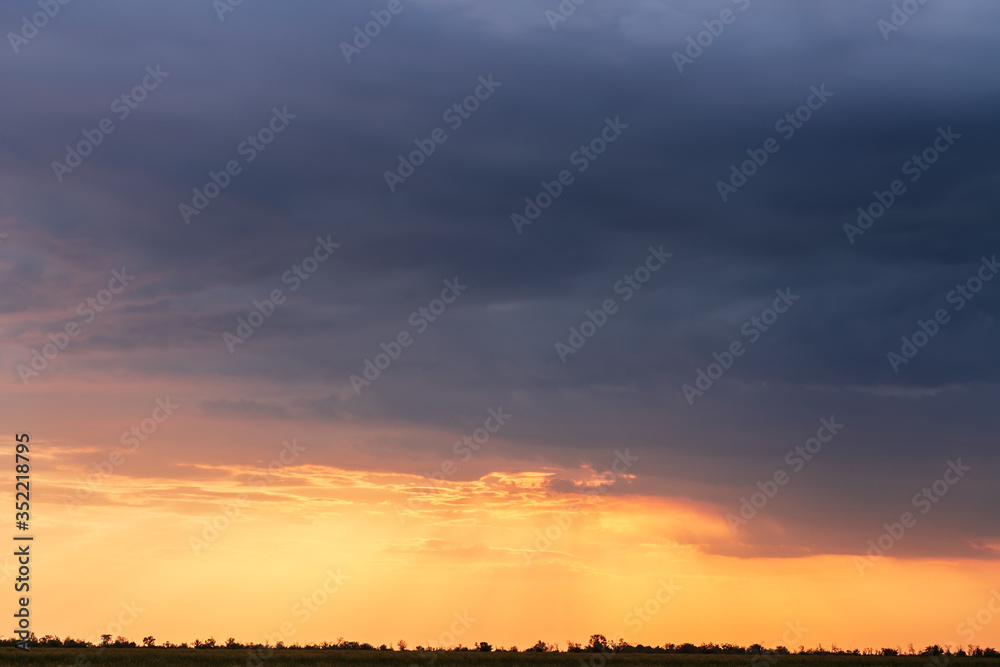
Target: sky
{"points": [[456, 321]]}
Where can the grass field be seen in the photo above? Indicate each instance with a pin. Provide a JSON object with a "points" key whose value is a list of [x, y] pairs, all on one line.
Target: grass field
{"points": [[141, 657]]}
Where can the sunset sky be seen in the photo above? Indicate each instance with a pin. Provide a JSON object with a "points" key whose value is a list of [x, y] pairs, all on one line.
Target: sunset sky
{"points": [[508, 320]]}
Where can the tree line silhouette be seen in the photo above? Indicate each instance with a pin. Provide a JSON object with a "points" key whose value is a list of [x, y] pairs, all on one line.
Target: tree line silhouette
{"points": [[597, 644]]}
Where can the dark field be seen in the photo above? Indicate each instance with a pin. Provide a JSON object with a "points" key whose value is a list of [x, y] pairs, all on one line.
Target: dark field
{"points": [[231, 658]]}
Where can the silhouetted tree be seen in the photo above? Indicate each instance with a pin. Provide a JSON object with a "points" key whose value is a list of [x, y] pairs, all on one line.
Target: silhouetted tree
{"points": [[597, 643]]}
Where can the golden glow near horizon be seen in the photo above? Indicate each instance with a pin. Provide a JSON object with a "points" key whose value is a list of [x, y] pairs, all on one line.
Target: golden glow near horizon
{"points": [[305, 552]]}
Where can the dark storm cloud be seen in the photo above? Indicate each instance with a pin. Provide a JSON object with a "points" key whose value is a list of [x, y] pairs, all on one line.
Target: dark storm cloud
{"points": [[656, 185]]}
